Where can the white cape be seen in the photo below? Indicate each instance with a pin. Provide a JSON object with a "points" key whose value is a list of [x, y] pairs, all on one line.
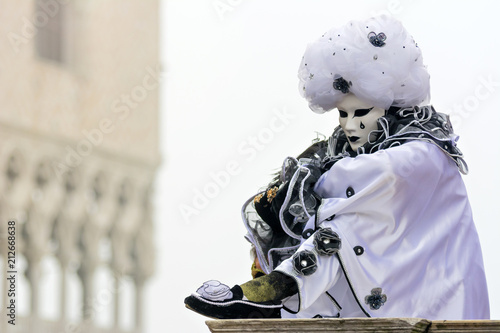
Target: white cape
{"points": [[409, 244]]}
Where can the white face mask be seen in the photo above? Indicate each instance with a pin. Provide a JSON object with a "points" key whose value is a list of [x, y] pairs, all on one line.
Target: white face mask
{"points": [[357, 119]]}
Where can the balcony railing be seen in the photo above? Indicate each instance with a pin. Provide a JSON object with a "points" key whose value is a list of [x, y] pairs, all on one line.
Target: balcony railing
{"points": [[358, 325]]}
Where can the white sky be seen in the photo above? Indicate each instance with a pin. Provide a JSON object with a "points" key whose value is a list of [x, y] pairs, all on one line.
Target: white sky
{"points": [[231, 69]]}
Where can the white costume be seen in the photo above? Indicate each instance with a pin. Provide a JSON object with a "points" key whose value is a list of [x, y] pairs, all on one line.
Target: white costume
{"points": [[377, 221], [398, 215], [407, 234]]}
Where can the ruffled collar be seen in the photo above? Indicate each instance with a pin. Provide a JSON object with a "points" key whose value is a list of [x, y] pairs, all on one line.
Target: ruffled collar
{"points": [[397, 127]]}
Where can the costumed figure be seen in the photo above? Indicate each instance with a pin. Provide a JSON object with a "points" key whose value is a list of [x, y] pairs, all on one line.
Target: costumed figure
{"points": [[375, 220]]}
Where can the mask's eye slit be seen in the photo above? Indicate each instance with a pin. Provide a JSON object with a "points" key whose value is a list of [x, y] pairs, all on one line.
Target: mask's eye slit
{"points": [[342, 114], [362, 112]]}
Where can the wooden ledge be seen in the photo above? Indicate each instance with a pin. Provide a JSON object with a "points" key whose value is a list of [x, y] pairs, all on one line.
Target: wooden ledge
{"points": [[346, 325], [452, 326]]}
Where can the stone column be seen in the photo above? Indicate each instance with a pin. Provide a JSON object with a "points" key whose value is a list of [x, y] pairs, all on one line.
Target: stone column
{"points": [[89, 260], [100, 208], [64, 233], [120, 264], [121, 237], [43, 206], [139, 308], [36, 234], [143, 255]]}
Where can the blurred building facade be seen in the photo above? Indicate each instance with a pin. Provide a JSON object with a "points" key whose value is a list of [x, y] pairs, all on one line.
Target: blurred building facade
{"points": [[79, 149]]}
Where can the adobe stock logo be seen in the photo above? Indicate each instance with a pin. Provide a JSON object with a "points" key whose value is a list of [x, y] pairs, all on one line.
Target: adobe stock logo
{"points": [[460, 111], [222, 7], [247, 150], [121, 108]]}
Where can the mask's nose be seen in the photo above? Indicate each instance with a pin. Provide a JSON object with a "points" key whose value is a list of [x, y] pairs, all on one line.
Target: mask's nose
{"points": [[351, 125]]}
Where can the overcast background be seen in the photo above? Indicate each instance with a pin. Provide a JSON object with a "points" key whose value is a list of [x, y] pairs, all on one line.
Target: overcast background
{"points": [[231, 113]]}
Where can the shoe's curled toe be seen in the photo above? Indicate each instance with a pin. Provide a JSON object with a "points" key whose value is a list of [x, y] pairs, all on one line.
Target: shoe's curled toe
{"points": [[217, 300]]}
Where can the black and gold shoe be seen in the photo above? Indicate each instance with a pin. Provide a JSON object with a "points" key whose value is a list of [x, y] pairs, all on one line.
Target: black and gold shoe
{"points": [[216, 300]]}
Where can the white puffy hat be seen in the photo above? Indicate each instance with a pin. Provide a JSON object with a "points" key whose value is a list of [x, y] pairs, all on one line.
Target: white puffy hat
{"points": [[377, 60]]}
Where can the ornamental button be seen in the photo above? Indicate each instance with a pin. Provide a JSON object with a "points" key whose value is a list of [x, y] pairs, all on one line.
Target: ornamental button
{"points": [[376, 299], [359, 250], [305, 262], [326, 242], [349, 192]]}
